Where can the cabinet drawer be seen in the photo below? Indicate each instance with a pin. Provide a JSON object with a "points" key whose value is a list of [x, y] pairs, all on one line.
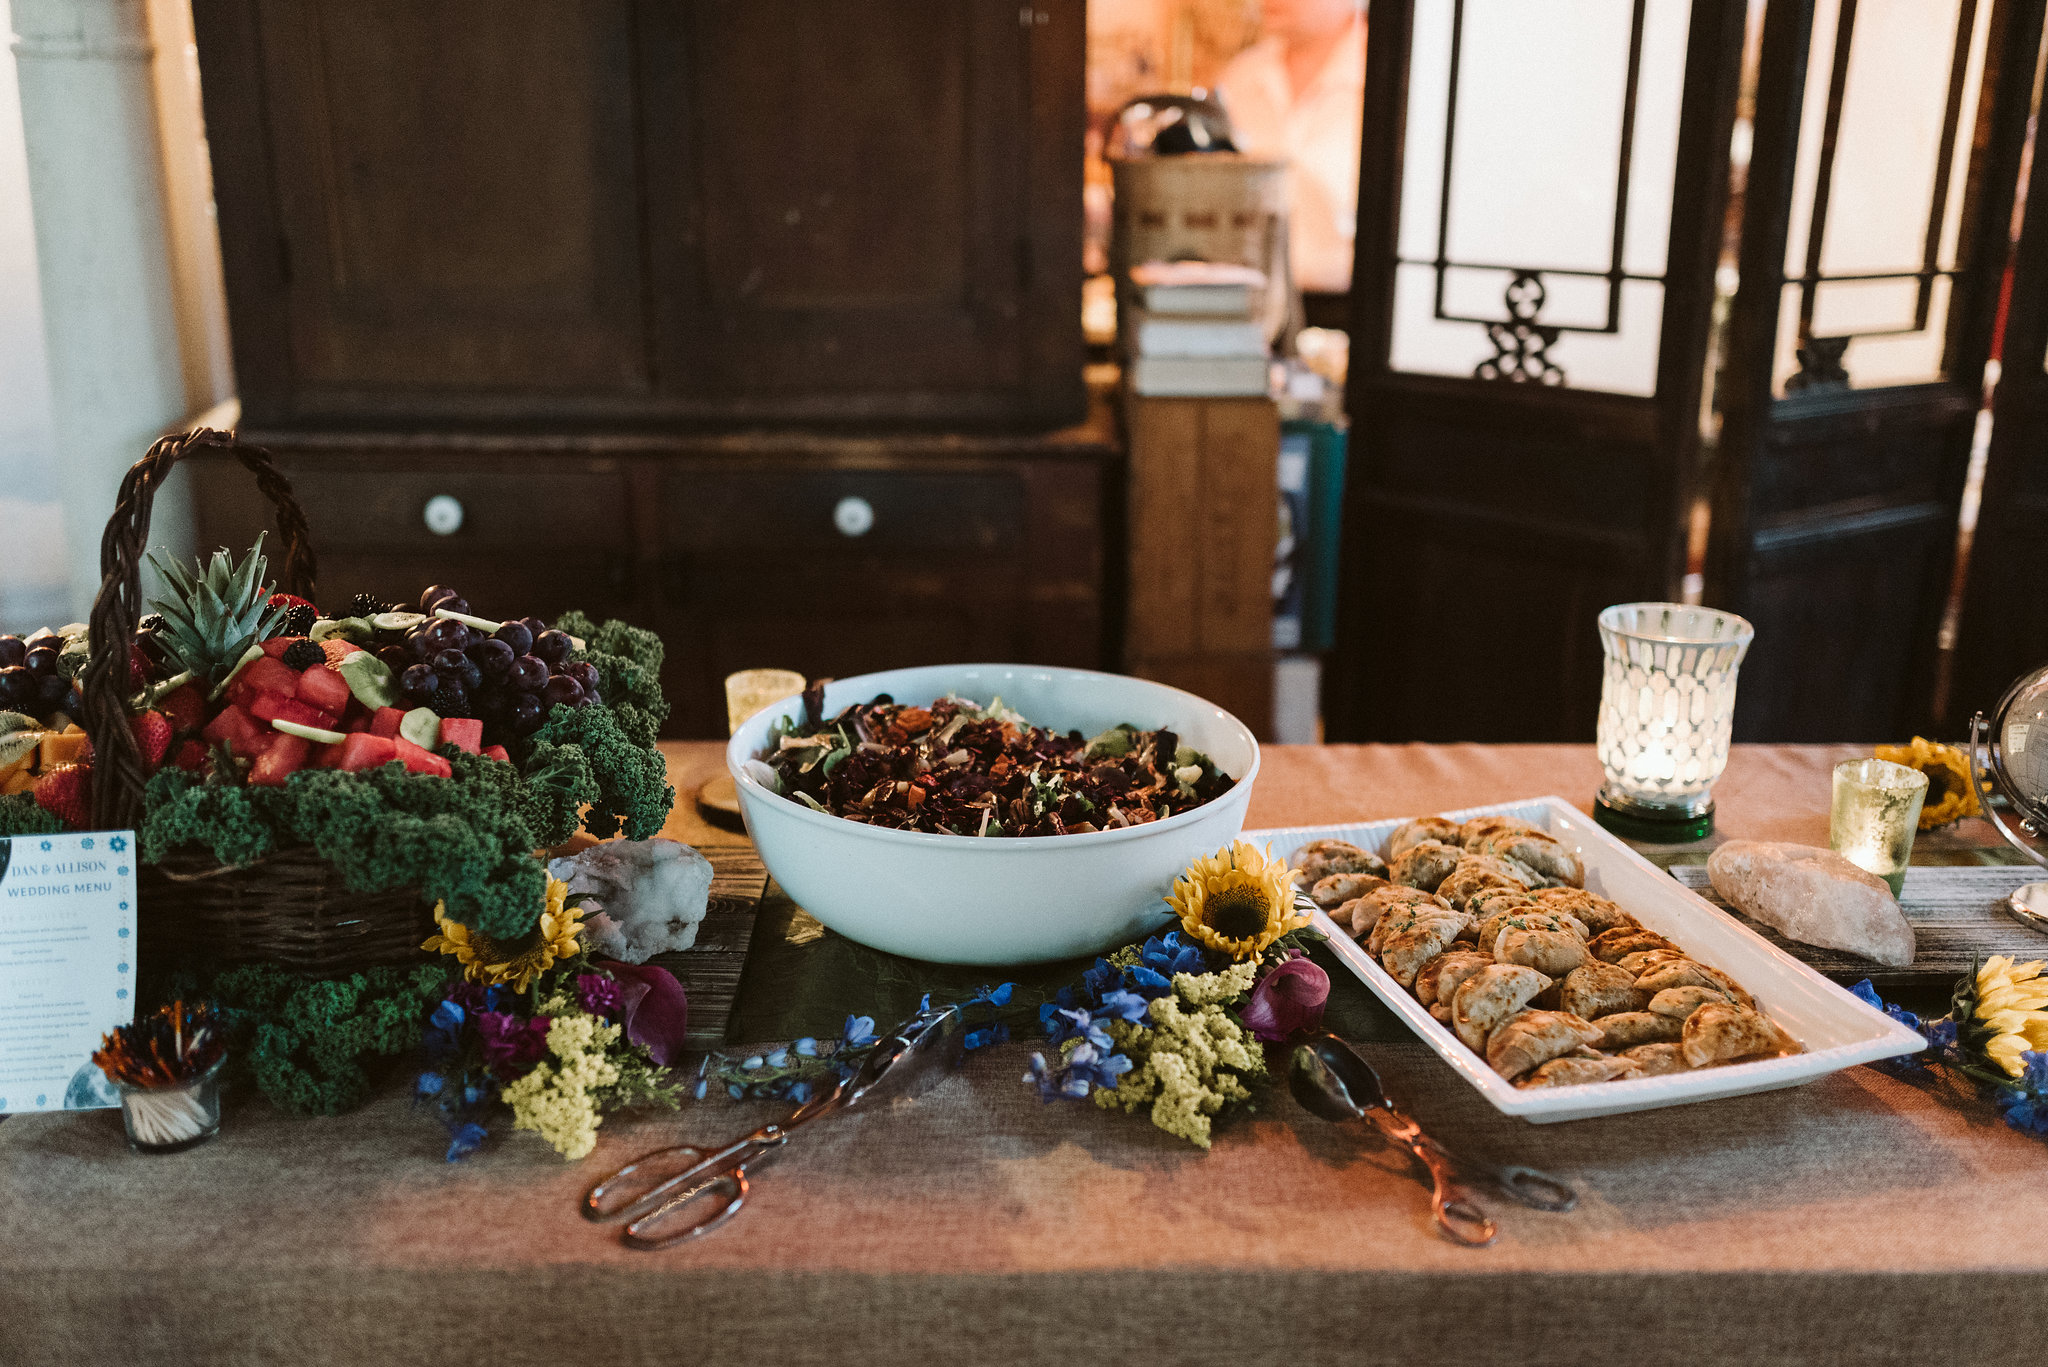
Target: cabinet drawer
{"points": [[811, 511], [443, 506]]}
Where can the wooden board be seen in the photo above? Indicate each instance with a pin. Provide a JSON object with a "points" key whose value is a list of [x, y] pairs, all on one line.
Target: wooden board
{"points": [[1957, 920], [710, 969]]}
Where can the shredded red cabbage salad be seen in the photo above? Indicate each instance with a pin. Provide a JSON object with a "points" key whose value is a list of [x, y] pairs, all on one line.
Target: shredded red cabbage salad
{"points": [[958, 768]]}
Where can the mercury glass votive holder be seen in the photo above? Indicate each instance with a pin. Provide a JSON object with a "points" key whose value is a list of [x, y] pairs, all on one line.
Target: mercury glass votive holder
{"points": [[750, 690], [1873, 815], [1667, 711]]}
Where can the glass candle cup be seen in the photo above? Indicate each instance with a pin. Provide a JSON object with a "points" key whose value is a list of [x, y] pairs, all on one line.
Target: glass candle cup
{"points": [[1875, 811], [175, 1118], [750, 690], [1667, 709]]}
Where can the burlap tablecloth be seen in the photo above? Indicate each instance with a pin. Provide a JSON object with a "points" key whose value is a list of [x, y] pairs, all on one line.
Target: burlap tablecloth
{"points": [[1857, 1219]]}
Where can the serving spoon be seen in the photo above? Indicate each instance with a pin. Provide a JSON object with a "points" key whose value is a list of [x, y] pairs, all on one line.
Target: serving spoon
{"points": [[1332, 1080]]}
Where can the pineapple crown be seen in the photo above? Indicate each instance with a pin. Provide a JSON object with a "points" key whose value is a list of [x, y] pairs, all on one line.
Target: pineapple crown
{"points": [[211, 618]]}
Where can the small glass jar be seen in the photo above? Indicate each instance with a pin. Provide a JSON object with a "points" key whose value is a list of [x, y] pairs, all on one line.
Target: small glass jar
{"points": [[750, 690], [1874, 812], [175, 1118], [1667, 712]]}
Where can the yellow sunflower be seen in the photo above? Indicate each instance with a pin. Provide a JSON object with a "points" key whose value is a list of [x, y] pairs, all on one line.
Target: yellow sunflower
{"points": [[1951, 793], [2012, 1003], [516, 962], [1237, 900]]}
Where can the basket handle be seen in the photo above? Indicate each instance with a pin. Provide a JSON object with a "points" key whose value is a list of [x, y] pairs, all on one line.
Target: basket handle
{"points": [[117, 762]]}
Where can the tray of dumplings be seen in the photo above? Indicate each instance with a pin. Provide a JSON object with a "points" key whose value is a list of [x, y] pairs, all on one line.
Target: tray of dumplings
{"points": [[1564, 975]]}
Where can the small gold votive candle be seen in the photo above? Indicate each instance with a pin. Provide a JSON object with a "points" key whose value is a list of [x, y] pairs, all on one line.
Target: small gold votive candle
{"points": [[750, 690], [1875, 811]]}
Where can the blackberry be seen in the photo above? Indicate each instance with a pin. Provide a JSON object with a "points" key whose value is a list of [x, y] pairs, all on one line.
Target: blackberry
{"points": [[303, 655], [298, 620], [450, 702], [152, 623], [369, 605]]}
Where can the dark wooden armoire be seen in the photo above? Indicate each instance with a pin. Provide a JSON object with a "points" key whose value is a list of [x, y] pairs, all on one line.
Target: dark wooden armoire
{"points": [[755, 321]]}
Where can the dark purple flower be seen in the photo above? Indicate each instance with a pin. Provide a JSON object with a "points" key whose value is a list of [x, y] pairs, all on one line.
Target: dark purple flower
{"points": [[653, 1007], [469, 996], [600, 995], [1287, 1001], [511, 1045]]}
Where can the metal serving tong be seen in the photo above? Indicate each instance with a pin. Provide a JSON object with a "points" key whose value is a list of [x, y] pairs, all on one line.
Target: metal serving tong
{"points": [[1333, 1080], [680, 1192]]}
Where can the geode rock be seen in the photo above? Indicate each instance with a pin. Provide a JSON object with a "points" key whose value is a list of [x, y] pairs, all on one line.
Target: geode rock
{"points": [[652, 895], [1814, 896]]}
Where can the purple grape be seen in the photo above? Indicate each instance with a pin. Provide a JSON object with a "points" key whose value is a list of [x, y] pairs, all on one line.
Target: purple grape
{"points": [[516, 635], [17, 688], [52, 689], [435, 596], [562, 689], [443, 634], [494, 656], [454, 604], [533, 625], [552, 646], [529, 674], [41, 636], [471, 676], [41, 661], [417, 644], [398, 658], [584, 673], [446, 661], [13, 652], [419, 683], [524, 714]]}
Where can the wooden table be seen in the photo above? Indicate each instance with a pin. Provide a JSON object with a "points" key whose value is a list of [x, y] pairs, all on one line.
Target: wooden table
{"points": [[1861, 1218]]}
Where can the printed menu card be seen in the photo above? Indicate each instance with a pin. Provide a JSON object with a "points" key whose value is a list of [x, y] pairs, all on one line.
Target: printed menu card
{"points": [[67, 965]]}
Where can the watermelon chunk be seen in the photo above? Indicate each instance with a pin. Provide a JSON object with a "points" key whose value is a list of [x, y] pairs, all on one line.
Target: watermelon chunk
{"points": [[384, 721], [496, 752], [418, 761], [322, 688], [464, 733], [240, 730], [265, 676], [364, 751], [276, 646], [285, 757], [327, 757], [270, 707]]}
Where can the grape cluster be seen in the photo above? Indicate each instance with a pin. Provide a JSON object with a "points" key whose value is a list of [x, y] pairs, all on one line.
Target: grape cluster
{"points": [[508, 678], [30, 679]]}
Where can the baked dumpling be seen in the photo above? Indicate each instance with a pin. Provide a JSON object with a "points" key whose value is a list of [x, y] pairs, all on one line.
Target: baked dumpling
{"points": [[1527, 918], [1688, 973], [1489, 997], [1643, 960], [1406, 948], [1334, 890], [1412, 833], [1681, 1002], [1549, 857], [1319, 859], [1367, 910], [1553, 953], [1721, 1032], [1479, 827], [1425, 865], [1439, 979], [1627, 1029], [1574, 1070], [1536, 1037], [1595, 989], [1609, 946], [1655, 1060], [1599, 914], [1488, 901], [1402, 919], [1476, 872]]}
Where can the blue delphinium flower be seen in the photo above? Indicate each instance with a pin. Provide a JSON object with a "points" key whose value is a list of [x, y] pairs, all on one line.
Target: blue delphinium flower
{"points": [[1055, 1084], [464, 1139], [806, 1047], [1171, 953], [860, 1030], [443, 1035], [1866, 992], [430, 1084], [1096, 1067], [1123, 1006]]}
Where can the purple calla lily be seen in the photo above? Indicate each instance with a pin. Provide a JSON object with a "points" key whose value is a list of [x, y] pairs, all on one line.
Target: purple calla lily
{"points": [[656, 1011], [1287, 1001]]}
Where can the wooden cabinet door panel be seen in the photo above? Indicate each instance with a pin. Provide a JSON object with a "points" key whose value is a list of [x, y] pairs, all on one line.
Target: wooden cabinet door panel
{"points": [[455, 190]]}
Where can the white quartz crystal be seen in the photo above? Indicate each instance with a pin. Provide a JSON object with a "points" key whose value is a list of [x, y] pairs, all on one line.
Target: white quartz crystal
{"points": [[653, 895], [1814, 896]]}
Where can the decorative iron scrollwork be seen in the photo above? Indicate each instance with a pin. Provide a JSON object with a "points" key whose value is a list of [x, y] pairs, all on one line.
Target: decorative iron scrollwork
{"points": [[1521, 346]]}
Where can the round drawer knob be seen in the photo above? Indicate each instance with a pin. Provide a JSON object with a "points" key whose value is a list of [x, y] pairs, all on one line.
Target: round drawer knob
{"points": [[443, 514], [853, 515]]}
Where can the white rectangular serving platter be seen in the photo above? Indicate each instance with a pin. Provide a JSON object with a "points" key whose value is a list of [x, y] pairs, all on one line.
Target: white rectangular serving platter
{"points": [[1838, 1030]]}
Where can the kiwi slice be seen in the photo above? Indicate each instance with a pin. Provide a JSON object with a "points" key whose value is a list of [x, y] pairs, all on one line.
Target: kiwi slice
{"points": [[396, 621]]}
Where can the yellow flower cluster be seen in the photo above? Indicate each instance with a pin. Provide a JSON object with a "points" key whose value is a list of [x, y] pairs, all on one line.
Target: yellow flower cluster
{"points": [[556, 1100], [1951, 789], [1193, 1060], [486, 961], [1237, 901], [2012, 1002]]}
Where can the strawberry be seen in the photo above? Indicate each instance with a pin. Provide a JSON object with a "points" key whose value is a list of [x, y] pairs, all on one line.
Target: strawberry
{"points": [[185, 706], [140, 667], [152, 736], [65, 792], [191, 756]]}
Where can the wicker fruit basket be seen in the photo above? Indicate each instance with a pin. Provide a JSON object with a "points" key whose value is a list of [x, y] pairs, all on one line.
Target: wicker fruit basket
{"points": [[289, 908]]}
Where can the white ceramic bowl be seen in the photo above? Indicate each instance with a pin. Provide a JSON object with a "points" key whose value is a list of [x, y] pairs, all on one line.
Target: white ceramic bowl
{"points": [[963, 900]]}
